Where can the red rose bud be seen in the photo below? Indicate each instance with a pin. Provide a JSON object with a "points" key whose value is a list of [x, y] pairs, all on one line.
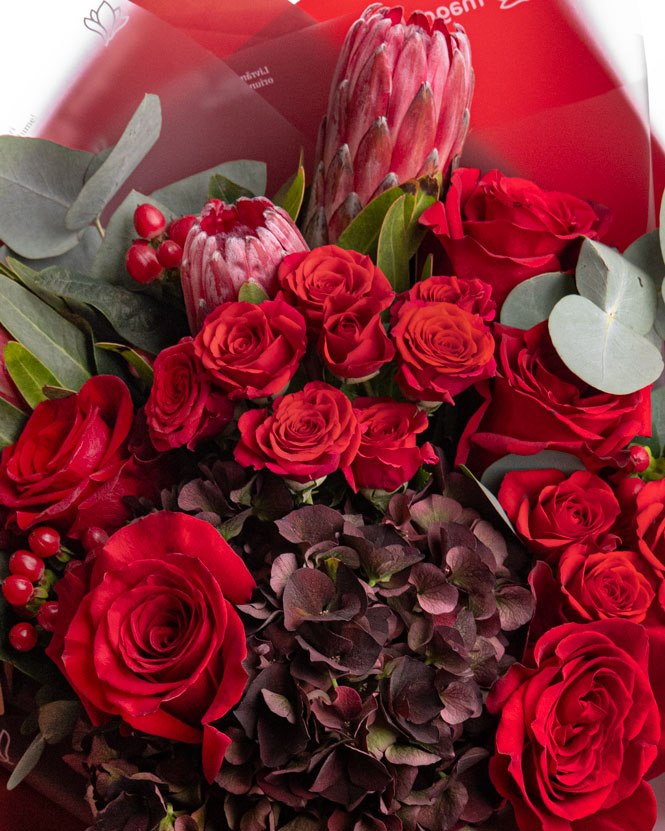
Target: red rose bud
{"points": [[169, 254], [177, 229], [252, 351], [441, 350], [388, 455], [504, 230], [23, 637], [398, 109], [142, 264], [149, 221], [230, 245]]}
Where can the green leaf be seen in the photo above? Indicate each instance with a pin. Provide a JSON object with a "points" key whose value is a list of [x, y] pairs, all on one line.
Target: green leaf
{"points": [[661, 226], [109, 263], [27, 762], [290, 196], [138, 137], [29, 374], [531, 301], [12, 421], [428, 267], [58, 344], [79, 258], [39, 180], [139, 364], [57, 720], [251, 292], [493, 475], [392, 255], [658, 421], [426, 192], [645, 253], [138, 318], [222, 188], [189, 195], [600, 349], [623, 290], [363, 233], [494, 502]]}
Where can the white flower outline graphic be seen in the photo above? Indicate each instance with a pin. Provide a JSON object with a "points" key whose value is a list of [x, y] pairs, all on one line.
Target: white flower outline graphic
{"points": [[105, 21], [508, 4]]}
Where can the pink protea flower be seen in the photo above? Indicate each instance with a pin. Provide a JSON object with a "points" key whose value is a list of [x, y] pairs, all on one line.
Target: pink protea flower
{"points": [[230, 245], [398, 109]]}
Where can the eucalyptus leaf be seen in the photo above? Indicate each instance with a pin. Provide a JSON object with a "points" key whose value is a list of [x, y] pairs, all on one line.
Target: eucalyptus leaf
{"points": [[600, 349], [12, 421], [659, 322], [139, 136], [222, 188], [109, 263], [658, 420], [136, 361], [392, 255], [617, 286], [39, 181], [362, 234], [290, 196], [79, 258], [531, 301], [138, 318], [645, 253], [661, 226], [29, 374], [491, 498], [54, 341], [493, 475], [188, 196], [27, 763]]}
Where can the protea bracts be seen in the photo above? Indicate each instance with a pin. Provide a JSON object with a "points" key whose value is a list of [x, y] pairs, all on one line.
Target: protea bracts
{"points": [[398, 109], [230, 245]]}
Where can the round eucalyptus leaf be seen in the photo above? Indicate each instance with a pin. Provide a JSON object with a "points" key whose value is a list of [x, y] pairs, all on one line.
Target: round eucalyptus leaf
{"points": [[645, 253], [531, 301], [616, 286], [600, 349], [493, 475], [661, 226]]}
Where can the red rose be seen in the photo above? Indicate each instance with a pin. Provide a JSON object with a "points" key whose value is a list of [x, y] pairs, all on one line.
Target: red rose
{"points": [[505, 230], [183, 407], [310, 434], [308, 279], [147, 632], [71, 467], [579, 729], [388, 455], [536, 403], [472, 295], [441, 350], [552, 510], [650, 522], [252, 351], [353, 342]]}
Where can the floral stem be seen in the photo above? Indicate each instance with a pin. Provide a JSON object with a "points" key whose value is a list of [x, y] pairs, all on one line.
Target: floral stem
{"points": [[98, 226]]}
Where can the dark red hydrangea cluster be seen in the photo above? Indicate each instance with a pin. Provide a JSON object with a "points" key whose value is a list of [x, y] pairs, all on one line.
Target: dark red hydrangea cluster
{"points": [[370, 650]]}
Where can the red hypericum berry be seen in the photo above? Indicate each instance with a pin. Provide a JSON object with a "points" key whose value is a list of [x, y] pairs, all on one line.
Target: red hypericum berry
{"points": [[17, 589], [639, 458], [23, 637], [25, 564], [626, 491], [142, 264], [93, 538], [44, 541], [149, 221], [48, 615], [177, 229], [169, 253]]}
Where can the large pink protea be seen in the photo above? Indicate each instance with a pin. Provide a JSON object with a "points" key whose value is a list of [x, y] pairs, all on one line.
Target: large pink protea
{"points": [[398, 109], [230, 245]]}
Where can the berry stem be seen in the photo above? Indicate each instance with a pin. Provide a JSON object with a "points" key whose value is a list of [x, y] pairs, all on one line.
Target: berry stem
{"points": [[98, 226]]}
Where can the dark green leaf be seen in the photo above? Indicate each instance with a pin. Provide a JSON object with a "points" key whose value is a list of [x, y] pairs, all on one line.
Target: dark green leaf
{"points": [[138, 137], [12, 421], [39, 180], [290, 196], [531, 301], [428, 266], [222, 188], [57, 720], [142, 367], [392, 255], [189, 195], [252, 293], [426, 193], [29, 374], [27, 762], [363, 233], [54, 393], [58, 344]]}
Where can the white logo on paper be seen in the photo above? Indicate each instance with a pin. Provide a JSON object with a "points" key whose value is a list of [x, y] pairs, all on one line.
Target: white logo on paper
{"points": [[105, 21], [508, 4]]}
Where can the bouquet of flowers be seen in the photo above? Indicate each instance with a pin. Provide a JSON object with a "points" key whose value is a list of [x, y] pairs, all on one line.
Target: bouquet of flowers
{"points": [[341, 509]]}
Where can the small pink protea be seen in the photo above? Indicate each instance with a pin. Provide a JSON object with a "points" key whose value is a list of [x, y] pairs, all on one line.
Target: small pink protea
{"points": [[398, 109], [230, 245]]}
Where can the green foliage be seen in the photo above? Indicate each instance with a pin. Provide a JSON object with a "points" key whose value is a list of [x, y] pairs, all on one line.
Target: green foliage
{"points": [[28, 373], [12, 422], [493, 475], [251, 292], [139, 364], [290, 196], [531, 301], [188, 196], [222, 188]]}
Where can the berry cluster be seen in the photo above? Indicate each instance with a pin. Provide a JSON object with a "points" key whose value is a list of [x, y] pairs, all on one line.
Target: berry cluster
{"points": [[159, 245], [29, 583]]}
